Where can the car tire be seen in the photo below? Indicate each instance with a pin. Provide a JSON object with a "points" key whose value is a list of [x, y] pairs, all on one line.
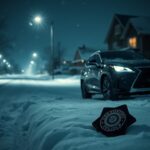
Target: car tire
{"points": [[107, 89], [84, 91]]}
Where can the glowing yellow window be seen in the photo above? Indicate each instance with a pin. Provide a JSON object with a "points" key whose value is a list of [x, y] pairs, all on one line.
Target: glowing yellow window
{"points": [[133, 42]]}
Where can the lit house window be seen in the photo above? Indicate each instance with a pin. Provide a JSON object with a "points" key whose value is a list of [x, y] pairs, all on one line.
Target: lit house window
{"points": [[133, 42]]}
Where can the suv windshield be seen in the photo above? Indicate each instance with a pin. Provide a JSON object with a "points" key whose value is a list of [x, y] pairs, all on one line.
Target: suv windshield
{"points": [[124, 55]]}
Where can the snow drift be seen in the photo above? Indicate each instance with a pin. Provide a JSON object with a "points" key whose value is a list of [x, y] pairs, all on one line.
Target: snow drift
{"points": [[37, 121]]}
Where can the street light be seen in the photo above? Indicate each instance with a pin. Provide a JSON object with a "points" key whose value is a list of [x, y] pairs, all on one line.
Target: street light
{"points": [[38, 20], [4, 60], [9, 66], [32, 62], [34, 55]]}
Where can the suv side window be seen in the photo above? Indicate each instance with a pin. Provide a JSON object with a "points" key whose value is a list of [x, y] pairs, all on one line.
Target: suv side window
{"points": [[91, 60], [97, 58]]}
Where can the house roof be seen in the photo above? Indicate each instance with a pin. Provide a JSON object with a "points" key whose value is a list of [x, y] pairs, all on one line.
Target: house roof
{"points": [[121, 19], [124, 18], [140, 24], [86, 52]]}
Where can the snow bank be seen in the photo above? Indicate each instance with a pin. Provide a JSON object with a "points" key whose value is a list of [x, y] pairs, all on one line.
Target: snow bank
{"points": [[67, 125], [45, 121], [43, 80]]}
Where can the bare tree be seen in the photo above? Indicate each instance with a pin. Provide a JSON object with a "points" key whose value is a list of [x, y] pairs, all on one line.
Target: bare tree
{"points": [[5, 42], [57, 57], [6, 48]]}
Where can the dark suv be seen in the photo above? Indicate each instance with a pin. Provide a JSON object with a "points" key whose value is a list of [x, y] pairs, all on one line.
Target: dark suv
{"points": [[115, 73]]}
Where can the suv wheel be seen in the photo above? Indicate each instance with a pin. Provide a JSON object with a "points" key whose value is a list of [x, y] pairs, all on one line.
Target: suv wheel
{"points": [[84, 91], [107, 89]]}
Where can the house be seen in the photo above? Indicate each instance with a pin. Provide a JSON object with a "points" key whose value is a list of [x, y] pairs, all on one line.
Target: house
{"points": [[117, 26], [81, 55], [137, 34], [129, 31]]}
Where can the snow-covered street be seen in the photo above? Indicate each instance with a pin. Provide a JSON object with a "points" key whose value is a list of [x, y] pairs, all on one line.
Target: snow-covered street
{"points": [[41, 114]]}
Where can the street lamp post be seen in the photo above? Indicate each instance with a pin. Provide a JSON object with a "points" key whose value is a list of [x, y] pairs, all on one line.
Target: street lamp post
{"points": [[38, 20], [52, 47]]}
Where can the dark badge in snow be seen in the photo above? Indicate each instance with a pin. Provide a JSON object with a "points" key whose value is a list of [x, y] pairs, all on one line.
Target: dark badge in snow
{"points": [[114, 121]]}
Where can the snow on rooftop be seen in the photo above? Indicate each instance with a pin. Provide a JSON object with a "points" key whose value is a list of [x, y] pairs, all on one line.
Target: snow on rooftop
{"points": [[86, 52]]}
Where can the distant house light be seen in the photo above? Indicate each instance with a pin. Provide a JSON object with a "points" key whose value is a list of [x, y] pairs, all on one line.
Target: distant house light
{"points": [[133, 42], [82, 60], [64, 62]]}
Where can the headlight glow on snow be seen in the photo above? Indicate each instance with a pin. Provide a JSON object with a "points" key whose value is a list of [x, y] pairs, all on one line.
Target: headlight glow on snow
{"points": [[122, 69]]}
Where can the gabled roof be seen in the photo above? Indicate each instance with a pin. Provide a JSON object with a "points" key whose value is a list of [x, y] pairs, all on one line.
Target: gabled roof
{"points": [[121, 19], [85, 52], [124, 18], [140, 24]]}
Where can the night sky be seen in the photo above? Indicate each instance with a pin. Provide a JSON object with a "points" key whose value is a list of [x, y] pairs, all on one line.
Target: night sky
{"points": [[76, 22]]}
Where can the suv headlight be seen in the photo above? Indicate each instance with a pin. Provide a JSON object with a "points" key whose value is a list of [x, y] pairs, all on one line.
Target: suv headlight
{"points": [[122, 69]]}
